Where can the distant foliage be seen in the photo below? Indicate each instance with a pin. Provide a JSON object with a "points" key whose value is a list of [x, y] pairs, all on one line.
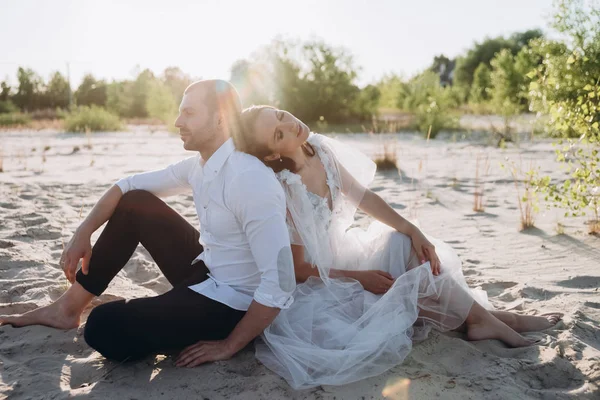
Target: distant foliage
{"points": [[94, 119]]}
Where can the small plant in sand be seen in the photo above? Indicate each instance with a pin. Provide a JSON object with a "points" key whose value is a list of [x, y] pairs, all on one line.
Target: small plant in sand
{"points": [[527, 191], [1, 162], [387, 159], [560, 228], [482, 169]]}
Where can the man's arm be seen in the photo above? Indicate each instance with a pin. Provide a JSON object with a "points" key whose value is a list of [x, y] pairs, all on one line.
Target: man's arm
{"points": [[164, 182], [79, 247], [258, 202]]}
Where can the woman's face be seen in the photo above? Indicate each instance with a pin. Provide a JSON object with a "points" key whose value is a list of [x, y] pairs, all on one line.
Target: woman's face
{"points": [[280, 132]]}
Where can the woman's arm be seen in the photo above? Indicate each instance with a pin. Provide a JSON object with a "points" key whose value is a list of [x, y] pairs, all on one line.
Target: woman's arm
{"points": [[377, 208], [377, 282]]}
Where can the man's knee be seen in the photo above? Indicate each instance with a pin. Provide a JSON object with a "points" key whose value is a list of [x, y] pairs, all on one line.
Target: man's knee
{"points": [[135, 199], [104, 332]]}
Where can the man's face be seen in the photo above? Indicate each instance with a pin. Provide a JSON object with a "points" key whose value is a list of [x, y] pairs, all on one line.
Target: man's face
{"points": [[196, 125]]}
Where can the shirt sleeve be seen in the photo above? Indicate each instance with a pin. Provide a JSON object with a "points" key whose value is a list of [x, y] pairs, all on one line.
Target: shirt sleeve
{"points": [[258, 201], [165, 182]]}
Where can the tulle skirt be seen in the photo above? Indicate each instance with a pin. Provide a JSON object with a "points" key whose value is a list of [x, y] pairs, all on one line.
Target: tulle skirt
{"points": [[336, 332]]}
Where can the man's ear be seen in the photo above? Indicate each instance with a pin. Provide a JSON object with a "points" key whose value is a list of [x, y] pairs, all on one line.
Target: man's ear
{"points": [[273, 157]]}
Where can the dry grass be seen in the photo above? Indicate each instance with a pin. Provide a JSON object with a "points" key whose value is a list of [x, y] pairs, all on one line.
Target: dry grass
{"points": [[482, 169], [387, 160], [47, 124], [594, 227], [528, 202]]}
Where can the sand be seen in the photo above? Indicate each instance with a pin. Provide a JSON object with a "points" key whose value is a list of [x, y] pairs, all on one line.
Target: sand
{"points": [[51, 181]]}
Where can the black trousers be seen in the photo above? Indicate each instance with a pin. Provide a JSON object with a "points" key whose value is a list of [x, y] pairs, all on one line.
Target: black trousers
{"points": [[132, 329]]}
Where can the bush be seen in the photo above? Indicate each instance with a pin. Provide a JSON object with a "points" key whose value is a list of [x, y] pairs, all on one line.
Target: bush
{"points": [[92, 118], [566, 87], [14, 119], [430, 102], [7, 107]]}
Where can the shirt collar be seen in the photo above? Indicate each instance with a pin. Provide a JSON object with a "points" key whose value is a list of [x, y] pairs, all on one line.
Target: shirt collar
{"points": [[214, 164]]}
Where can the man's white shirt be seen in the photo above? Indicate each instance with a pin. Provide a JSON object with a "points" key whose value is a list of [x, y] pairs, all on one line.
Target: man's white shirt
{"points": [[241, 208]]}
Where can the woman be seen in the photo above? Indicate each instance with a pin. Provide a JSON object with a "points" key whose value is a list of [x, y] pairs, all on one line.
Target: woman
{"points": [[373, 291]]}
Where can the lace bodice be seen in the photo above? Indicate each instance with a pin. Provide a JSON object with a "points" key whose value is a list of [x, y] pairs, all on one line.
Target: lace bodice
{"points": [[320, 205]]}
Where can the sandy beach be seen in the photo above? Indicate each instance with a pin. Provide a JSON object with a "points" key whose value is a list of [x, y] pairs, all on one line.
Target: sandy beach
{"points": [[51, 181]]}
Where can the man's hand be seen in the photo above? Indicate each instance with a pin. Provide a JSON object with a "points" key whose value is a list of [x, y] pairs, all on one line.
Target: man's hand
{"points": [[377, 282], [425, 251], [203, 352], [79, 247]]}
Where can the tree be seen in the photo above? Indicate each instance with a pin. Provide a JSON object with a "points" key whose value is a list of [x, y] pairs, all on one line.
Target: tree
{"points": [[485, 51], [91, 92], [444, 67], [5, 93], [176, 81], [58, 91], [119, 99], [140, 91], [30, 90], [480, 90], [506, 84], [566, 87]]}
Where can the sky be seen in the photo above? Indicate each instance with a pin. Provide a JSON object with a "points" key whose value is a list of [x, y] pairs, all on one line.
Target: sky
{"points": [[110, 39]]}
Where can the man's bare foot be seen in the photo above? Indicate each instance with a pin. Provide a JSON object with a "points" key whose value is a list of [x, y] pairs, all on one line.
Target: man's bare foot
{"points": [[64, 313], [51, 315], [490, 329]]}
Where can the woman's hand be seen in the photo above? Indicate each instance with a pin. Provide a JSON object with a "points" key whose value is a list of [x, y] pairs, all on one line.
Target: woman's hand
{"points": [[425, 251], [377, 282]]}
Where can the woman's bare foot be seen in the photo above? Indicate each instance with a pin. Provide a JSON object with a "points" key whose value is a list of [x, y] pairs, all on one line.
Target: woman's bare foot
{"points": [[482, 325], [528, 323], [64, 313]]}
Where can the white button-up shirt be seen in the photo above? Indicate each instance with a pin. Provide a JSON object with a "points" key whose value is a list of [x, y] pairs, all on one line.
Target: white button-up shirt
{"points": [[241, 207]]}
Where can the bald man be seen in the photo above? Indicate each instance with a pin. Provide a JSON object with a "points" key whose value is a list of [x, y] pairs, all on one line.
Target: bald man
{"points": [[230, 279]]}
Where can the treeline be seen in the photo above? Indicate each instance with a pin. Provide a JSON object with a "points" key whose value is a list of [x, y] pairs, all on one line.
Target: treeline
{"points": [[318, 82]]}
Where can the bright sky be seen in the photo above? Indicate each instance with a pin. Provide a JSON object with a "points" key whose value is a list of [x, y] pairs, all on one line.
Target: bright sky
{"points": [[204, 37]]}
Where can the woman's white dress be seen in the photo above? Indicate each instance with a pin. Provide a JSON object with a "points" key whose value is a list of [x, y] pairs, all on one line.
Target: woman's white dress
{"points": [[336, 332]]}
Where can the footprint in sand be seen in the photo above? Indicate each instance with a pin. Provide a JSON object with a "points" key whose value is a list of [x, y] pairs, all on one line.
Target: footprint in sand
{"points": [[5, 244], [43, 233], [555, 374], [581, 282], [496, 288], [535, 293]]}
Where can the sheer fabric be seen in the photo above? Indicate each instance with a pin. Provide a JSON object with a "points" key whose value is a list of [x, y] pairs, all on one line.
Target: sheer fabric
{"points": [[336, 332]]}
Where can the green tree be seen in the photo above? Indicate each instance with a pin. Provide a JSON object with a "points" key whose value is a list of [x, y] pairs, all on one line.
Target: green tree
{"points": [[140, 91], [389, 86], [566, 87], [443, 66], [119, 99], [30, 90], [484, 52], [160, 103], [482, 83], [91, 92], [506, 84], [5, 93], [176, 81], [58, 91], [431, 103]]}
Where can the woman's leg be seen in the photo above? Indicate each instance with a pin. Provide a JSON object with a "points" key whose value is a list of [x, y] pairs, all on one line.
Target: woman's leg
{"points": [[140, 217], [527, 323]]}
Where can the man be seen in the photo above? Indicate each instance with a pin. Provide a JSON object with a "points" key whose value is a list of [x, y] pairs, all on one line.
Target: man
{"points": [[230, 280]]}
